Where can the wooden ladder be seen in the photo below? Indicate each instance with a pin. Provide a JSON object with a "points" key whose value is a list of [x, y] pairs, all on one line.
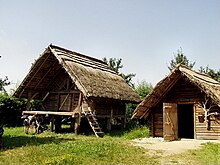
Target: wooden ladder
{"points": [[93, 123]]}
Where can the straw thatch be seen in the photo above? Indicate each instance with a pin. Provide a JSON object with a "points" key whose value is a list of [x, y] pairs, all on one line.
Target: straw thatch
{"points": [[206, 84], [91, 76]]}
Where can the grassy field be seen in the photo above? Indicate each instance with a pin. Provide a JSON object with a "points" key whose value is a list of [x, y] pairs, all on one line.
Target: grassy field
{"points": [[68, 148]]}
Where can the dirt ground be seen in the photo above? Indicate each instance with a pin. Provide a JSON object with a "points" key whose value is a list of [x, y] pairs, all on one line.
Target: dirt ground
{"points": [[164, 148]]}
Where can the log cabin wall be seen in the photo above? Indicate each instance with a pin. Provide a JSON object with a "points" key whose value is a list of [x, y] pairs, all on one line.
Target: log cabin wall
{"points": [[184, 92], [104, 109], [156, 123], [111, 114], [201, 128]]}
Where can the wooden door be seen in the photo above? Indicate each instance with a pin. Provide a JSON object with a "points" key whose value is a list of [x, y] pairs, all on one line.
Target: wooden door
{"points": [[170, 121]]}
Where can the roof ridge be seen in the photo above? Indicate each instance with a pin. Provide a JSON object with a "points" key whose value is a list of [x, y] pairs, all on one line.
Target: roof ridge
{"points": [[77, 53], [197, 72]]}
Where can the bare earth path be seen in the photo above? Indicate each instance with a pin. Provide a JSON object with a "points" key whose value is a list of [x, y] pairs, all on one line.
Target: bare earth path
{"points": [[161, 148]]}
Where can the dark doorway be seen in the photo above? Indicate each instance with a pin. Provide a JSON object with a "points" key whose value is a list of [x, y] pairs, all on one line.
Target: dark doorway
{"points": [[185, 121]]}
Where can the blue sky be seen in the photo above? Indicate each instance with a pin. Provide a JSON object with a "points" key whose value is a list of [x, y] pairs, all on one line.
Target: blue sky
{"points": [[144, 33]]}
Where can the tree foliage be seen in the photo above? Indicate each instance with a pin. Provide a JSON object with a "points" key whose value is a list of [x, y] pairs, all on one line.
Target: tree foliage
{"points": [[180, 58], [4, 82], [211, 72], [143, 88], [115, 65], [11, 110]]}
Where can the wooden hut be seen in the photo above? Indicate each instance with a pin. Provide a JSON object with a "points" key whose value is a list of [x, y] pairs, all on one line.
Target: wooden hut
{"points": [[185, 104], [75, 85]]}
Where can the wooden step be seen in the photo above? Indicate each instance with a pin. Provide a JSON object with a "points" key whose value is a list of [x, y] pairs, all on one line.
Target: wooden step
{"points": [[93, 123], [100, 134]]}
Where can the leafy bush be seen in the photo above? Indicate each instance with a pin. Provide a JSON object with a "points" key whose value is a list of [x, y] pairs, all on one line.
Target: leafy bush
{"points": [[11, 110], [138, 132]]}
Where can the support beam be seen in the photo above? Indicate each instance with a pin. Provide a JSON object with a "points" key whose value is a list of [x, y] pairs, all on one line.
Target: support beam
{"points": [[28, 102], [42, 78], [61, 106], [45, 96], [77, 125], [109, 121], [52, 80], [72, 125], [57, 124], [37, 70], [52, 123]]}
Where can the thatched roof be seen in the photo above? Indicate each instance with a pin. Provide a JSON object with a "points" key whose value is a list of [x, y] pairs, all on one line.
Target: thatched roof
{"points": [[91, 76], [206, 84]]}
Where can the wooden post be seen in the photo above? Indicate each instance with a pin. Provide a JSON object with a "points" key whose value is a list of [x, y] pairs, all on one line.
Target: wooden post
{"points": [[123, 122], [77, 124], [28, 102], [78, 114], [52, 123], [109, 121], [72, 125], [57, 124]]}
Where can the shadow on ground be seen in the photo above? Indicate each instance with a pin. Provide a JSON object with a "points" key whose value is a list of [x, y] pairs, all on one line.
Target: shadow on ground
{"points": [[10, 142]]}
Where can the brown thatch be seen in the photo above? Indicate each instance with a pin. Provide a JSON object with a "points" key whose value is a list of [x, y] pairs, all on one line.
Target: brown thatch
{"points": [[91, 76], [206, 84]]}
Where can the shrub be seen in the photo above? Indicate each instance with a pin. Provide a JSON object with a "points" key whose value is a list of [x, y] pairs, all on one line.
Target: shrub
{"points": [[138, 132], [11, 110]]}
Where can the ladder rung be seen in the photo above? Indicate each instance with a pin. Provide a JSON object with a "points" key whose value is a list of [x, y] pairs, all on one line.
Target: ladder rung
{"points": [[94, 124], [96, 128]]}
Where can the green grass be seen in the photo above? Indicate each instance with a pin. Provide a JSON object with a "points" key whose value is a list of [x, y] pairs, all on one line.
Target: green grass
{"points": [[115, 148], [208, 154], [67, 148]]}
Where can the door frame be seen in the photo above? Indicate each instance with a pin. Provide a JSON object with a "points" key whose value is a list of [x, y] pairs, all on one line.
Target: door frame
{"points": [[176, 103], [194, 115]]}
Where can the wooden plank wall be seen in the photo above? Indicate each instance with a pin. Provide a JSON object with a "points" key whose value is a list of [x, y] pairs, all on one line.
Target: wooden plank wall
{"points": [[157, 121], [201, 129], [104, 108], [63, 94], [183, 91]]}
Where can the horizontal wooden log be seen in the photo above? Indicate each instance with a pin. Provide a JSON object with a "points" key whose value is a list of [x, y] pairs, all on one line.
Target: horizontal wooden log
{"points": [[158, 134], [207, 134], [107, 116], [204, 124], [207, 138], [158, 123], [65, 92], [48, 113], [203, 136], [204, 130]]}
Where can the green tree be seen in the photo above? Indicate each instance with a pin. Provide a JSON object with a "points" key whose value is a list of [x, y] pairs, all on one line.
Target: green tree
{"points": [[4, 82], [11, 110], [211, 72], [143, 88], [180, 58], [115, 65]]}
